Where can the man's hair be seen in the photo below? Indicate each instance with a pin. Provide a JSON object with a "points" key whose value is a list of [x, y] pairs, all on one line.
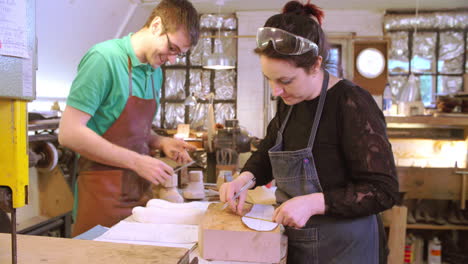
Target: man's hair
{"points": [[177, 14]]}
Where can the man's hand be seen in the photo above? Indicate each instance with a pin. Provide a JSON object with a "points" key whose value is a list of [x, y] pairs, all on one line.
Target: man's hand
{"points": [[154, 170], [176, 149], [296, 211]]}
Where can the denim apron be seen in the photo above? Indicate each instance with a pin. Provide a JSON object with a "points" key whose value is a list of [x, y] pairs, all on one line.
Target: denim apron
{"points": [[323, 239]]}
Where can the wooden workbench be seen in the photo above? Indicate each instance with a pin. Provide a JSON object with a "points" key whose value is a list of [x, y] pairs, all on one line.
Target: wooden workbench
{"points": [[51, 250]]}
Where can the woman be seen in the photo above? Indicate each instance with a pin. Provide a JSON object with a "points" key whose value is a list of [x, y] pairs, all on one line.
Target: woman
{"points": [[326, 148]]}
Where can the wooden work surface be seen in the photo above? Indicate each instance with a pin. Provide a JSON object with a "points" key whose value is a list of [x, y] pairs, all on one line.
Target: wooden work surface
{"points": [[51, 250], [224, 237]]}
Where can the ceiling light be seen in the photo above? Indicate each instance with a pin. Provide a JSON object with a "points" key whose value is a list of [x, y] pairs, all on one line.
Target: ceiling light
{"points": [[219, 60]]}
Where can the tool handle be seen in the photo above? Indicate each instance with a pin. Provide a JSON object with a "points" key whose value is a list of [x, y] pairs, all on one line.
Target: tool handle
{"points": [[245, 187], [183, 166]]}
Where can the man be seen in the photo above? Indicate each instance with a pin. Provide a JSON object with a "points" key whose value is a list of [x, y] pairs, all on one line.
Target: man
{"points": [[109, 112]]}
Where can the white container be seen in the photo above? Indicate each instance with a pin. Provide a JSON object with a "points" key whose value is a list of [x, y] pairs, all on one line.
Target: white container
{"points": [[434, 251]]}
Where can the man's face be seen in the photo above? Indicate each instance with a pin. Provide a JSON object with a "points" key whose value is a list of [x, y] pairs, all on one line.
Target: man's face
{"points": [[168, 46]]}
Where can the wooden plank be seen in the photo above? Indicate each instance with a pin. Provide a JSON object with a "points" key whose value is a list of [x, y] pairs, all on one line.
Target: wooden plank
{"points": [[55, 195], [397, 235], [224, 237], [429, 120], [51, 250], [430, 183], [437, 227]]}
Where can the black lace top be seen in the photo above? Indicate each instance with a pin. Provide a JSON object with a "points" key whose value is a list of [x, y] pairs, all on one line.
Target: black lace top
{"points": [[352, 153]]}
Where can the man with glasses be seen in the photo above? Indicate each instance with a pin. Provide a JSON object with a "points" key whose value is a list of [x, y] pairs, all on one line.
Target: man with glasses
{"points": [[112, 103]]}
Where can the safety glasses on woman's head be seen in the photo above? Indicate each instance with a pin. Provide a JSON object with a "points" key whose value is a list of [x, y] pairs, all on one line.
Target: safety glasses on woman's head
{"points": [[284, 42]]}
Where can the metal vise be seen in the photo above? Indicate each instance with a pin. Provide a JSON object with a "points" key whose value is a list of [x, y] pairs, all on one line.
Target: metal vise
{"points": [[230, 141]]}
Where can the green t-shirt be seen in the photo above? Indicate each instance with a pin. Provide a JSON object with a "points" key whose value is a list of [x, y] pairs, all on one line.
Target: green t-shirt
{"points": [[101, 85]]}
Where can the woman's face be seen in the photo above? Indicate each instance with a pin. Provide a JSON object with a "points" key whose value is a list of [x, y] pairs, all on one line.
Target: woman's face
{"points": [[289, 82]]}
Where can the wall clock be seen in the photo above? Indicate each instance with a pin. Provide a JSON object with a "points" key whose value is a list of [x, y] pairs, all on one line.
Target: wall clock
{"points": [[370, 65]]}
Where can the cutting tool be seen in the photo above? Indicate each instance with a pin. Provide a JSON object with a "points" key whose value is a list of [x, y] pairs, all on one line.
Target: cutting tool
{"points": [[245, 187]]}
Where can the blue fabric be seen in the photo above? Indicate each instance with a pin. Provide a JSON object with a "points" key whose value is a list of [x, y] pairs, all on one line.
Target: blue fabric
{"points": [[92, 233]]}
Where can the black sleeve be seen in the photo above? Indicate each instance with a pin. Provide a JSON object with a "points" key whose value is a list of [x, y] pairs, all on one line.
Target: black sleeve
{"points": [[373, 184], [259, 163]]}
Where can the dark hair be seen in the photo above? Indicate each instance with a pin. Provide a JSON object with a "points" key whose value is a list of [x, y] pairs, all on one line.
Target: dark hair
{"points": [[307, 9], [176, 14], [298, 22]]}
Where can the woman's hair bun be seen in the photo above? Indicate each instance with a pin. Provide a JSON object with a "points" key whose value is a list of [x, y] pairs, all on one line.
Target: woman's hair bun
{"points": [[307, 9]]}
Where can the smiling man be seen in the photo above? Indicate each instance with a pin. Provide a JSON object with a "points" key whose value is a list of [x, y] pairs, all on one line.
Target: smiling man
{"points": [[109, 113]]}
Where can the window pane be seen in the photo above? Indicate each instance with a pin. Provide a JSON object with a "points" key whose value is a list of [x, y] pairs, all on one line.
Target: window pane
{"points": [[427, 83], [224, 84], [398, 55], [334, 66], [449, 84], [451, 52], [198, 114], [396, 84], [466, 55], [175, 114], [224, 112], [423, 59], [175, 83]]}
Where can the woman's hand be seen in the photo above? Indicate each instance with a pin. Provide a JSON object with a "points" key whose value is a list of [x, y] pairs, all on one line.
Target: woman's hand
{"points": [[228, 189], [296, 211]]}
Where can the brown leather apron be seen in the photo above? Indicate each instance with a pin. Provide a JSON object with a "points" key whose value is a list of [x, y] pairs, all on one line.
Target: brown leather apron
{"points": [[107, 194]]}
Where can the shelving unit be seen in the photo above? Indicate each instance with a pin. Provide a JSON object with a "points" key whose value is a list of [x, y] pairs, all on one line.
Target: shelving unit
{"points": [[425, 183], [189, 67]]}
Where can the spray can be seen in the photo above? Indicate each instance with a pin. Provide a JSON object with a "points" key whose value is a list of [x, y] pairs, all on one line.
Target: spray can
{"points": [[409, 248], [434, 251]]}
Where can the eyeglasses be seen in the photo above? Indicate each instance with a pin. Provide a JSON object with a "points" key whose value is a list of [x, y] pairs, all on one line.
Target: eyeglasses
{"points": [[284, 42], [173, 50]]}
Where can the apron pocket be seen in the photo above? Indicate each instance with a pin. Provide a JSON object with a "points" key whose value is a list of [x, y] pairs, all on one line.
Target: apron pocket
{"points": [[303, 245]]}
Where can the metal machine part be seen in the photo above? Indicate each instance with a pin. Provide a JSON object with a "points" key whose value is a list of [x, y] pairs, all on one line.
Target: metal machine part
{"points": [[43, 155], [230, 141]]}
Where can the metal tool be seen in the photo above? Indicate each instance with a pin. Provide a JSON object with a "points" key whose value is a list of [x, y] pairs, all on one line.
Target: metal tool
{"points": [[245, 187], [225, 156], [184, 166], [256, 218]]}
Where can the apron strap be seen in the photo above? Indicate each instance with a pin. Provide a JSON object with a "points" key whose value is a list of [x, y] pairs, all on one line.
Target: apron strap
{"points": [[283, 126], [152, 84], [129, 77], [318, 113]]}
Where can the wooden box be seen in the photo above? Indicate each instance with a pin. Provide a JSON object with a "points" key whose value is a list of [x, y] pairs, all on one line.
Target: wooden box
{"points": [[223, 236]]}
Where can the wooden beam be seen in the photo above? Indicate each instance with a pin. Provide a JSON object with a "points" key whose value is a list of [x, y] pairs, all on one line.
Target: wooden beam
{"points": [[397, 235]]}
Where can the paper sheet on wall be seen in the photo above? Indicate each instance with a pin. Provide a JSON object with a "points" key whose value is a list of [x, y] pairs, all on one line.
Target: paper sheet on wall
{"points": [[13, 30], [253, 219]]}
